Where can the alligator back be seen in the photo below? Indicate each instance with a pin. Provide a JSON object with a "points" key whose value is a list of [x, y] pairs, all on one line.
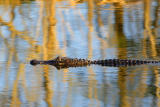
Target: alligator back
{"points": [[63, 62]]}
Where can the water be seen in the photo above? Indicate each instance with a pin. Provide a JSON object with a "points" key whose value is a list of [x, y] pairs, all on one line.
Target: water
{"points": [[86, 29]]}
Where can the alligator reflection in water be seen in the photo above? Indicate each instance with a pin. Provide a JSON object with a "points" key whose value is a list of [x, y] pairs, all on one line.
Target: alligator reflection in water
{"points": [[65, 62]]}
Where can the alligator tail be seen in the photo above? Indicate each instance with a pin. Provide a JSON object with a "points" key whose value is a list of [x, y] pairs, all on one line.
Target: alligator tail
{"points": [[122, 62]]}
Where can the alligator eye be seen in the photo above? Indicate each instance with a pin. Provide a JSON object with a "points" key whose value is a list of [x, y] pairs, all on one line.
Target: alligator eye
{"points": [[33, 62]]}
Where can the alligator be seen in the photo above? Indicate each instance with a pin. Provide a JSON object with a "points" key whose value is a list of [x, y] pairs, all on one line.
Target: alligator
{"points": [[65, 62]]}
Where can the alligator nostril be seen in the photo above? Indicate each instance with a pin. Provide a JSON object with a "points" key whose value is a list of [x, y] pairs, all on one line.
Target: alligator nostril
{"points": [[33, 62]]}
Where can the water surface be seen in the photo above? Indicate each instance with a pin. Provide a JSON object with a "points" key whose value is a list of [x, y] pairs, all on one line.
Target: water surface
{"points": [[91, 29]]}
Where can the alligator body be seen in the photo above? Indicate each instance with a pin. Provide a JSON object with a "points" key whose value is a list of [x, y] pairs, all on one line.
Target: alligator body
{"points": [[65, 62]]}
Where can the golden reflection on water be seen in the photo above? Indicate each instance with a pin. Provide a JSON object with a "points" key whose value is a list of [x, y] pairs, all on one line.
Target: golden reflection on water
{"points": [[15, 101], [147, 24], [43, 42]]}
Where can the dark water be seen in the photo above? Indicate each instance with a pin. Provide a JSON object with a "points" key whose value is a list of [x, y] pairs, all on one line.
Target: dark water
{"points": [[79, 29]]}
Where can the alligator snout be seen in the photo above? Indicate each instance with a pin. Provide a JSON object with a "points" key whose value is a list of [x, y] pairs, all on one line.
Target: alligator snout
{"points": [[34, 62]]}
